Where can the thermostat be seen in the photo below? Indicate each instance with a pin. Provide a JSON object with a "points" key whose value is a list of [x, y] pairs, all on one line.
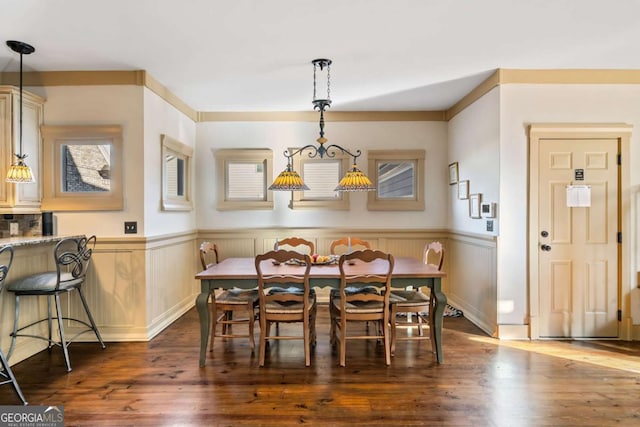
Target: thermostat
{"points": [[488, 209]]}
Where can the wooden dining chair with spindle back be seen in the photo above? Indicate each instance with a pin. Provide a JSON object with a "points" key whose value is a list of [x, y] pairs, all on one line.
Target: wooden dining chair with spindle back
{"points": [[414, 301], [227, 302]]}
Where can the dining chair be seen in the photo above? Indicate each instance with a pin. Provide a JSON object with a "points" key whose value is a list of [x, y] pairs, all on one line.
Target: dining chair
{"points": [[296, 244], [243, 301], [414, 301], [373, 268], [72, 257], [285, 298], [6, 259], [339, 247], [347, 244]]}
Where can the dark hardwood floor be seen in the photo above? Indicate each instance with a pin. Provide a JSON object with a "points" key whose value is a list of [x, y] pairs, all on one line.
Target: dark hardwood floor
{"points": [[483, 382]]}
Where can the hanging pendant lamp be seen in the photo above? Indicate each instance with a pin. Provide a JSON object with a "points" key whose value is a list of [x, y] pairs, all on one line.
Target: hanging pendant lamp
{"points": [[354, 179], [19, 172]]}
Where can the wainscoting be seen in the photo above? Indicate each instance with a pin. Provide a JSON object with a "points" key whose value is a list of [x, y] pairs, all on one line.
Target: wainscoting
{"points": [[472, 283], [138, 286]]}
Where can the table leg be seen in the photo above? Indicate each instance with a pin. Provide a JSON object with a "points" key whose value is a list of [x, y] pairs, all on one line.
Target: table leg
{"points": [[436, 319], [202, 305]]}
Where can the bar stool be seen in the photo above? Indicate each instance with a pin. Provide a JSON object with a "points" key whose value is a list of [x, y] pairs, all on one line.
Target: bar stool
{"points": [[72, 257], [7, 375]]}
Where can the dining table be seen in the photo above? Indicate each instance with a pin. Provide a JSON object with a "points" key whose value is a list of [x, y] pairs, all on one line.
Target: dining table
{"points": [[241, 273]]}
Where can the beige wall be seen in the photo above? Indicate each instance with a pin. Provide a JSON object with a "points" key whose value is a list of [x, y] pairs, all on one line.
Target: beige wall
{"points": [[102, 105], [278, 136]]}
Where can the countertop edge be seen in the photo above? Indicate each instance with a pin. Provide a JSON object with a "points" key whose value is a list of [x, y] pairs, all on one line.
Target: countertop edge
{"points": [[17, 242]]}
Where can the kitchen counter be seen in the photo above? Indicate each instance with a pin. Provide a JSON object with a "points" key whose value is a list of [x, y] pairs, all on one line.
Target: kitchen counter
{"points": [[18, 241]]}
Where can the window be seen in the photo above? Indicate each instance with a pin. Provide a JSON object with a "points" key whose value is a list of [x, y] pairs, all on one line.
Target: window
{"points": [[242, 178], [321, 176], [82, 168], [399, 179], [176, 175]]}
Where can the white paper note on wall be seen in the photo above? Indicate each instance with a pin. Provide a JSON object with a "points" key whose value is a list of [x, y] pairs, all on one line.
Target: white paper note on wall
{"points": [[578, 196]]}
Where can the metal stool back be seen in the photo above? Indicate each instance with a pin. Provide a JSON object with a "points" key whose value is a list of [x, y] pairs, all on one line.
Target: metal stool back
{"points": [[6, 375]]}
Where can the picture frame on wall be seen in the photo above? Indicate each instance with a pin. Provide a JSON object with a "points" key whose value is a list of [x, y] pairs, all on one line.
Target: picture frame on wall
{"points": [[453, 173], [463, 189], [474, 205]]}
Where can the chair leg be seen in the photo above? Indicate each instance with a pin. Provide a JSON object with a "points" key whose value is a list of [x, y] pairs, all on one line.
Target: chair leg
{"points": [[394, 315], [307, 343], [387, 346], [263, 340], [15, 327], [314, 312], [63, 341], [90, 317], [343, 340], [12, 378], [252, 319], [332, 318], [49, 321]]}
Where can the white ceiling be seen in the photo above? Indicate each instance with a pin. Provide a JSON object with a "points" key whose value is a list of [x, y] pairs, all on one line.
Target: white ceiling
{"points": [[252, 55]]}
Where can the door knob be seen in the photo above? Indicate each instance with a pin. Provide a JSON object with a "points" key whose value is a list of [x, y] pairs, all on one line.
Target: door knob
{"points": [[545, 248]]}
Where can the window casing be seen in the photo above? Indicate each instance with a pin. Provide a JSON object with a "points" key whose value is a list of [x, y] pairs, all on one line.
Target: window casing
{"points": [[399, 179], [321, 176], [82, 168], [176, 175], [243, 176]]}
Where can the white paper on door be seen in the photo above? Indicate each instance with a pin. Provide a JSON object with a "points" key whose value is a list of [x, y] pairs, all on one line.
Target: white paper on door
{"points": [[578, 196]]}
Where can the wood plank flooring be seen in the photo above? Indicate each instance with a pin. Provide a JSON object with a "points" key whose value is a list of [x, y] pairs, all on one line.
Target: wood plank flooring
{"points": [[483, 382]]}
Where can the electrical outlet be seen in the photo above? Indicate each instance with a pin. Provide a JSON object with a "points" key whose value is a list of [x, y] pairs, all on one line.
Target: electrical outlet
{"points": [[130, 227], [14, 229], [489, 225]]}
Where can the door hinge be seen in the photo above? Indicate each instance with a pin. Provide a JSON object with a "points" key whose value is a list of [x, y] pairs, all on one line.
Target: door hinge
{"points": [[619, 236], [619, 315], [619, 159]]}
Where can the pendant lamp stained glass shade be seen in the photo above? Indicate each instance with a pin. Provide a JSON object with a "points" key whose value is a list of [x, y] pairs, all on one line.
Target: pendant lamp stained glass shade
{"points": [[19, 172], [355, 179]]}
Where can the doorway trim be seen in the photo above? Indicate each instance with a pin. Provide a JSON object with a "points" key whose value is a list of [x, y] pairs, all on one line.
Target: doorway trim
{"points": [[621, 132]]}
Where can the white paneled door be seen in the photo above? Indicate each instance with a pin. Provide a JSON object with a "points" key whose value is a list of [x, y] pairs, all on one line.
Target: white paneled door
{"points": [[577, 232]]}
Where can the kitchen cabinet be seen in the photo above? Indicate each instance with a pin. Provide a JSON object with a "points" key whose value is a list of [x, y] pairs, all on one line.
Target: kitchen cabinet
{"points": [[20, 198]]}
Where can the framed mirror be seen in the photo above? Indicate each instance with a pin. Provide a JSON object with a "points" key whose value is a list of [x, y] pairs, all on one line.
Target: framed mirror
{"points": [[82, 168], [176, 175]]}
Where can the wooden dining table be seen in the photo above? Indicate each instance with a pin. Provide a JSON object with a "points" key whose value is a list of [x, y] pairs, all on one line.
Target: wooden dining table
{"points": [[241, 273]]}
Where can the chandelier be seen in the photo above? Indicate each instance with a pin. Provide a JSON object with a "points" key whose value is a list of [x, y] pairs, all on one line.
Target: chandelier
{"points": [[19, 172], [354, 179]]}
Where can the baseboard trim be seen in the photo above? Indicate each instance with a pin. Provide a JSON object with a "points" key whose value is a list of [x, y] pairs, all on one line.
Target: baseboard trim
{"points": [[513, 332]]}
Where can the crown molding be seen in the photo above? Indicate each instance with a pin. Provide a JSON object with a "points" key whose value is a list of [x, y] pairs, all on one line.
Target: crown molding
{"points": [[499, 77], [330, 116], [566, 76]]}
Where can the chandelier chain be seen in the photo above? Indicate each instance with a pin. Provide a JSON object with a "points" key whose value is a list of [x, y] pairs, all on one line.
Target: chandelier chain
{"points": [[329, 81], [314, 80]]}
